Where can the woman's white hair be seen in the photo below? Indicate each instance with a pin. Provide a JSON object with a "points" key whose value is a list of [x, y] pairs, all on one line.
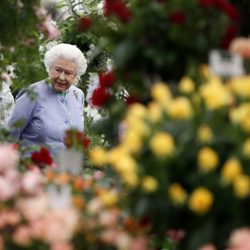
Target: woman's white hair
{"points": [[66, 51]]}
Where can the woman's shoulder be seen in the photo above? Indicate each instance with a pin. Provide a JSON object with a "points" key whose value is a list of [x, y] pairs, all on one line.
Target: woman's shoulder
{"points": [[41, 85], [33, 89], [76, 90]]}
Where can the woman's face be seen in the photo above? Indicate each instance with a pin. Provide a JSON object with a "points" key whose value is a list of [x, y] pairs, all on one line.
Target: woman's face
{"points": [[62, 74]]}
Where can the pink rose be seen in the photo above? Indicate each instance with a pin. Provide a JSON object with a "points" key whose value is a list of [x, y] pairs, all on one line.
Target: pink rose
{"points": [[61, 246], [32, 182], [22, 236], [8, 157], [240, 239]]}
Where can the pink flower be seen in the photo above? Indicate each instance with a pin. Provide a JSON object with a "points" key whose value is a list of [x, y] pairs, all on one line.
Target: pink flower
{"points": [[49, 29], [176, 234], [240, 239], [108, 236], [8, 157], [9, 218], [38, 229], [22, 236], [61, 246], [98, 175], [109, 217], [140, 243], [32, 182], [9, 187], [33, 208], [241, 46], [59, 227]]}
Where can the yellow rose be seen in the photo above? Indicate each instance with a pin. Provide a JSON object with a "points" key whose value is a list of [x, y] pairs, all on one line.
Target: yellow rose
{"points": [[177, 194], [205, 70], [130, 178], [240, 86], [125, 164], [160, 93], [186, 85], [98, 156], [215, 94], [154, 111], [149, 184], [207, 159], [137, 111], [115, 154], [108, 197], [246, 148], [200, 200], [136, 124], [131, 141], [246, 124], [204, 134], [180, 108], [238, 114], [241, 185], [162, 144], [231, 169]]}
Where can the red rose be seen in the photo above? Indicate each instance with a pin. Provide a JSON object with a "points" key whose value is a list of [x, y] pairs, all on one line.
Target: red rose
{"points": [[177, 17], [107, 79], [117, 7], [86, 142], [42, 157], [100, 96], [231, 11], [85, 23]]}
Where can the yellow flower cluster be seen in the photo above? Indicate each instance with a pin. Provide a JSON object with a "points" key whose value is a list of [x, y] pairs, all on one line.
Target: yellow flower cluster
{"points": [[215, 94], [147, 130]]}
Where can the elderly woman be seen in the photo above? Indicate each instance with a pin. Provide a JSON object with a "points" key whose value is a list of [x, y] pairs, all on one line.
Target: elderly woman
{"points": [[58, 103]]}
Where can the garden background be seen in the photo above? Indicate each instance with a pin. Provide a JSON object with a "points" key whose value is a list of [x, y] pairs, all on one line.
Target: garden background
{"points": [[164, 160]]}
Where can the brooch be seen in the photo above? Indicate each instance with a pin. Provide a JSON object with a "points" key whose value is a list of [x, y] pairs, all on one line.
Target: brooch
{"points": [[75, 94]]}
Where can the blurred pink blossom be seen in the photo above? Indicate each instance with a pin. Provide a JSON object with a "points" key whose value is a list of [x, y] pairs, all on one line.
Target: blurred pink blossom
{"points": [[240, 239], [33, 208], [59, 227], [123, 240], [22, 235], [109, 217], [241, 46], [8, 157], [108, 236], [49, 28], [140, 243], [61, 246], [9, 217], [8, 188], [32, 182], [38, 228]]}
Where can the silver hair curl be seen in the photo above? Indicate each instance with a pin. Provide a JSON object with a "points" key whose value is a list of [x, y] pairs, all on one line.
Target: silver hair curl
{"points": [[66, 51]]}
